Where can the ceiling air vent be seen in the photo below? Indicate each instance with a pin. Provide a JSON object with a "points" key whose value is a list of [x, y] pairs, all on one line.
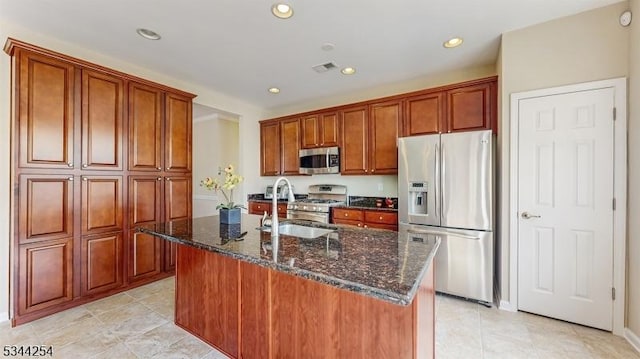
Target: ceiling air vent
{"points": [[324, 67]]}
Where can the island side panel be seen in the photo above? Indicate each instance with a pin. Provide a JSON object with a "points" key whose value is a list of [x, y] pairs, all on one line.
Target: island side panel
{"points": [[255, 337], [314, 320], [424, 307], [207, 294]]}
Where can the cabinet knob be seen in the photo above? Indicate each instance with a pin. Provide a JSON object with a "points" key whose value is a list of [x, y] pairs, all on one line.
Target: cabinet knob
{"points": [[84, 165], [365, 226], [346, 214], [70, 178], [168, 179], [70, 164], [373, 171], [85, 179], [168, 168], [159, 179], [359, 224], [159, 168], [380, 217]]}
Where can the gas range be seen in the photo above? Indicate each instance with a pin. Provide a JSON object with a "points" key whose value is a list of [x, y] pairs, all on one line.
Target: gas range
{"points": [[317, 205]]}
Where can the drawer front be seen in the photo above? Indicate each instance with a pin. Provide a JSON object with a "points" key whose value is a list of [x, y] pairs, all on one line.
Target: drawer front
{"points": [[391, 227], [381, 217], [348, 222], [259, 208], [347, 214]]}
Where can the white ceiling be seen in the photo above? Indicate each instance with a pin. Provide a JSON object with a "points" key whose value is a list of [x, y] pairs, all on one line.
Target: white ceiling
{"points": [[239, 48]]}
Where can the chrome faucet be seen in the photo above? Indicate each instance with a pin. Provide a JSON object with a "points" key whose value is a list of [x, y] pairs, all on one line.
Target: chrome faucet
{"points": [[274, 208]]}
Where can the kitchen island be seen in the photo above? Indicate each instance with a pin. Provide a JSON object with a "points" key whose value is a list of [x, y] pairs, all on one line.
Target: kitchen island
{"points": [[351, 293]]}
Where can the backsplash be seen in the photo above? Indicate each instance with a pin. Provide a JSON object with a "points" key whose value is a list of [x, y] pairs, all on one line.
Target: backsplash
{"points": [[373, 202]]}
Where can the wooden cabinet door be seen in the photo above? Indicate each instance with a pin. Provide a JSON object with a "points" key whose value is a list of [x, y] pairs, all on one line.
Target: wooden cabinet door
{"points": [[290, 152], [254, 316], [101, 263], [102, 121], [384, 124], [469, 108], [45, 111], [144, 253], [101, 204], [145, 128], [45, 274], [145, 206], [328, 129], [310, 136], [424, 114], [144, 199], [270, 148], [178, 120], [177, 204], [353, 152], [45, 210]]}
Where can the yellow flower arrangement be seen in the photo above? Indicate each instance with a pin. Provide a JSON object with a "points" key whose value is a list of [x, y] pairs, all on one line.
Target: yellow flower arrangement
{"points": [[231, 180]]}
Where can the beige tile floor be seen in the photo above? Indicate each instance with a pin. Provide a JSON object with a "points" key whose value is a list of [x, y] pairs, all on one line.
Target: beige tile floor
{"points": [[139, 324]]}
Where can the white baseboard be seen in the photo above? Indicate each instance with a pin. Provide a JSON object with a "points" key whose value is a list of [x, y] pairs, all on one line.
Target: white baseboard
{"points": [[632, 338], [4, 317], [506, 305]]}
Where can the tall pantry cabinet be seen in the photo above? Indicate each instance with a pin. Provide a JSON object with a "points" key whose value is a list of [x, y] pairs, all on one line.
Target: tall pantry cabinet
{"points": [[95, 153]]}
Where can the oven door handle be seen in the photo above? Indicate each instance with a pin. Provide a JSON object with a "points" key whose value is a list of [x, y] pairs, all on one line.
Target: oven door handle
{"points": [[327, 159]]}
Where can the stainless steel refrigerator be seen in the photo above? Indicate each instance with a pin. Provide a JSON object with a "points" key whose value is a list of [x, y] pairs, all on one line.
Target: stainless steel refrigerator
{"points": [[445, 190]]}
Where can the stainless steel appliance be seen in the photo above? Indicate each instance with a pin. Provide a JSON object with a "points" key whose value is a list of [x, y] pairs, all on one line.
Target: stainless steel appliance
{"points": [[445, 190], [317, 206], [320, 160], [282, 192]]}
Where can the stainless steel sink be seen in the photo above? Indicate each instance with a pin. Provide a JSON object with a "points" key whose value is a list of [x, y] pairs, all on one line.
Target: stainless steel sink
{"points": [[297, 230]]}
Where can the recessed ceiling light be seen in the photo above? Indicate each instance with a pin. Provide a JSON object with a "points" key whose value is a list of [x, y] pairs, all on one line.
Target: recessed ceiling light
{"points": [[274, 90], [453, 42], [282, 11], [327, 46], [348, 71], [148, 34]]}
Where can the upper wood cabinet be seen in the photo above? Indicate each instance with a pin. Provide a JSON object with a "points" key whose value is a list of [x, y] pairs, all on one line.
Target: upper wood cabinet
{"points": [[145, 127], [424, 114], [102, 208], [385, 120], [45, 91], [178, 119], [369, 138], [270, 148], [319, 130], [354, 122], [280, 147], [102, 120], [470, 107], [290, 147]]}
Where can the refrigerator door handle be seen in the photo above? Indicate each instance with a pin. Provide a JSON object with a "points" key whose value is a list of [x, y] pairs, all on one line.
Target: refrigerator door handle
{"points": [[436, 194], [443, 183], [443, 233]]}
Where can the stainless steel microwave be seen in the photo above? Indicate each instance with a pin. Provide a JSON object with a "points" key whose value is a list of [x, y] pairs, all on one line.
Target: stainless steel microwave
{"points": [[320, 160]]}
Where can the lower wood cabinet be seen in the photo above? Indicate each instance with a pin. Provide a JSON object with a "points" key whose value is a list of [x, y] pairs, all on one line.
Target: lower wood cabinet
{"points": [[256, 207], [365, 218], [101, 263], [45, 278], [248, 311], [144, 256]]}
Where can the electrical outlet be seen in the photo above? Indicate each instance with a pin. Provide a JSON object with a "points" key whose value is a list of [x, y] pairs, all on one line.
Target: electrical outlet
{"points": [[380, 187]]}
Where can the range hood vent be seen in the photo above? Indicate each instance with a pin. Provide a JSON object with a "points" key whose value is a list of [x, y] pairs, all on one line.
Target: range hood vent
{"points": [[325, 67]]}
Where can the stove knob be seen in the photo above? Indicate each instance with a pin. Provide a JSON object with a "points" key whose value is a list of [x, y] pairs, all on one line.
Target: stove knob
{"points": [[304, 208], [313, 208]]}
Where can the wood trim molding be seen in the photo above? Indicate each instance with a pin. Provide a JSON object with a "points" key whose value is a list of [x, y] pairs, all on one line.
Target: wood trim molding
{"points": [[11, 44]]}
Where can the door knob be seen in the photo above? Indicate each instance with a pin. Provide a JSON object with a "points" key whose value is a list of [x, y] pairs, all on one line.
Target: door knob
{"points": [[527, 215]]}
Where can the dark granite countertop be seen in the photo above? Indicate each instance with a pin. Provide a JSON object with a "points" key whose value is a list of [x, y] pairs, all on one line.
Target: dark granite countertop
{"points": [[387, 265]]}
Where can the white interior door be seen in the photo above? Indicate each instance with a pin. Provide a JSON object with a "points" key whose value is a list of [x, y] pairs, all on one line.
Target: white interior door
{"points": [[565, 200]]}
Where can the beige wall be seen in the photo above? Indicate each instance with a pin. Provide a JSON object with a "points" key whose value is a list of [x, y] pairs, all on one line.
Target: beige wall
{"points": [[215, 145], [248, 114], [633, 249], [584, 47]]}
